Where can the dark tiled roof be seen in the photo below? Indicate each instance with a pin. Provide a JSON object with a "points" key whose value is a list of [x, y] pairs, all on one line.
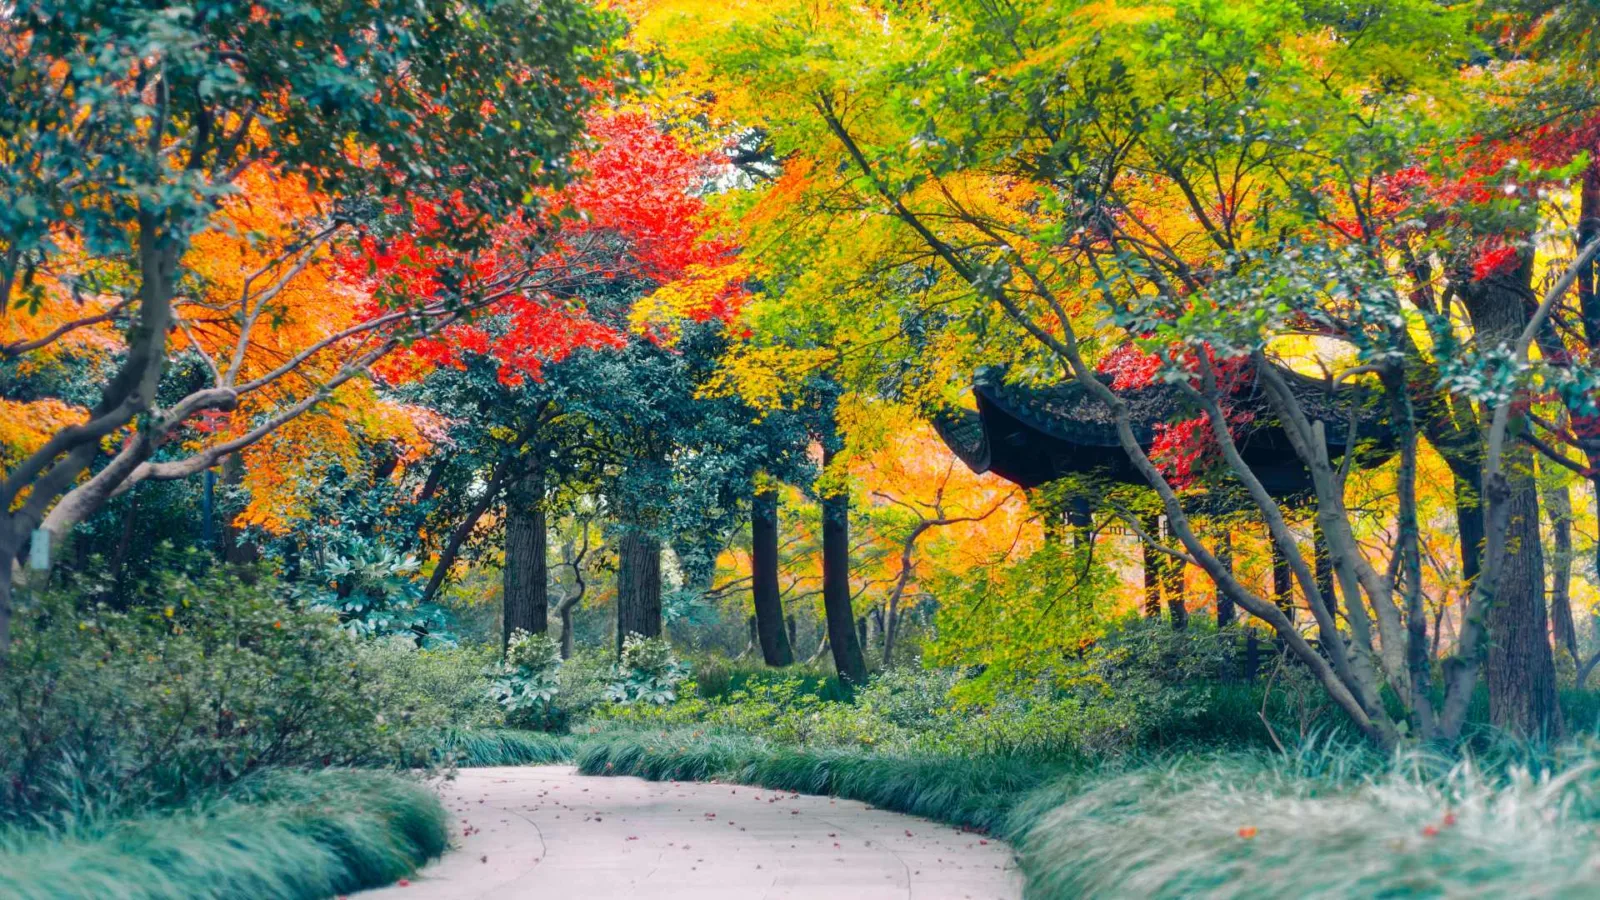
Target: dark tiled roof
{"points": [[1034, 434]]}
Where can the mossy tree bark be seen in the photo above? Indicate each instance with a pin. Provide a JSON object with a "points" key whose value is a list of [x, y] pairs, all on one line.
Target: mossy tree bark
{"points": [[1520, 667]]}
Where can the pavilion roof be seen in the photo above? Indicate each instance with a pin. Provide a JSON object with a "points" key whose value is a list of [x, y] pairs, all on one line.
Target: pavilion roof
{"points": [[1032, 434]]}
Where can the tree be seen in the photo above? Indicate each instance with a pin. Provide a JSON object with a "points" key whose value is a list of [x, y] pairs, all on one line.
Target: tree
{"points": [[1124, 175], [126, 125]]}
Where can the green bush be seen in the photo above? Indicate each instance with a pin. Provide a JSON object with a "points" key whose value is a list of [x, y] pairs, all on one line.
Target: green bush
{"points": [[281, 834], [527, 681], [971, 791], [716, 678], [443, 687], [583, 681], [648, 672], [103, 711]]}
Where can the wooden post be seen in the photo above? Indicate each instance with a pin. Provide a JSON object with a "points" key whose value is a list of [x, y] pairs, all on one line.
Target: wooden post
{"points": [[1282, 584], [1225, 612], [1152, 569], [1172, 571]]}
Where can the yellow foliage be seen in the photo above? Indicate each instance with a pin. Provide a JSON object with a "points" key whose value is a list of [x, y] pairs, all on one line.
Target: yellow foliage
{"points": [[25, 426]]}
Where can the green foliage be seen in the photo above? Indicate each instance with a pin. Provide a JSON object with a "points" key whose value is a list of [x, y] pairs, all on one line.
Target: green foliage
{"points": [[585, 678], [648, 672], [432, 688], [529, 679], [976, 792], [283, 834], [716, 678], [1019, 619], [1419, 826], [1142, 685], [102, 710], [504, 747], [409, 85], [374, 590]]}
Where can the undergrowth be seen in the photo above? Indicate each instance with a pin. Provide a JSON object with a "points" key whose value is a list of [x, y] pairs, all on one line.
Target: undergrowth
{"points": [[472, 748], [1332, 818], [971, 791], [282, 834], [1332, 821]]}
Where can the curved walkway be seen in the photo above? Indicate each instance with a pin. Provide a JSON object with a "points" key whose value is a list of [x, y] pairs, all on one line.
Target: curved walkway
{"points": [[546, 831]]}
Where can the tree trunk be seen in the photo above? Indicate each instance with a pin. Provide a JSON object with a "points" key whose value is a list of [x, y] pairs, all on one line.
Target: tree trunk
{"points": [[1558, 505], [1520, 668], [1152, 569], [1469, 526], [119, 557], [526, 576], [776, 649], [1172, 586], [565, 612], [847, 658], [1225, 556], [638, 585]]}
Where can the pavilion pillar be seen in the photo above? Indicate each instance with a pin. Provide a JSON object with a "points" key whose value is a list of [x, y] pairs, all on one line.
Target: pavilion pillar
{"points": [[1172, 571], [1225, 611], [1282, 584], [1152, 568], [1324, 566], [1080, 518]]}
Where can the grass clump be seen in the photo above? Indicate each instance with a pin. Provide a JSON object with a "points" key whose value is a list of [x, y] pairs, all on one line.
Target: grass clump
{"points": [[971, 791], [1332, 821], [473, 748], [283, 834]]}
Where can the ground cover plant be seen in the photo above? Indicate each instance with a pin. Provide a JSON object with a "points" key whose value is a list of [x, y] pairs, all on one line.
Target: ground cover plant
{"points": [[278, 834]]}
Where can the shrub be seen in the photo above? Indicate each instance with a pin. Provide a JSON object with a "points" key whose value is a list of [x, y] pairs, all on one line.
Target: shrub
{"points": [[717, 678], [102, 710], [527, 681], [378, 593], [441, 687], [584, 679], [647, 673]]}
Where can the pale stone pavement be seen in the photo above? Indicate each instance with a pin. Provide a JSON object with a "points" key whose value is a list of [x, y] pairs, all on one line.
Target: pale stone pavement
{"points": [[548, 832]]}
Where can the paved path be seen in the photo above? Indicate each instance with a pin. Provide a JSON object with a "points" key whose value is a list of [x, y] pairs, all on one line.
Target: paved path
{"points": [[548, 832]]}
